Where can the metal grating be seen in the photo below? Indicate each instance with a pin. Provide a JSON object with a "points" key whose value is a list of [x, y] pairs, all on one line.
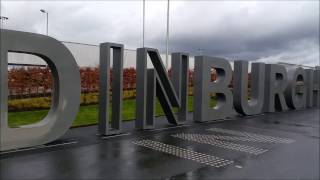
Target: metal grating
{"points": [[246, 136], [211, 140], [235, 138], [184, 153]]}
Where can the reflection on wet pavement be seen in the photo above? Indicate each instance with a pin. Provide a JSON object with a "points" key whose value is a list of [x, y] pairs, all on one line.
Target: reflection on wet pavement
{"points": [[246, 148]]}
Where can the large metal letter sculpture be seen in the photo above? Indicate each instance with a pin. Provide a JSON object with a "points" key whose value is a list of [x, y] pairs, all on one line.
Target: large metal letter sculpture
{"points": [[117, 79], [296, 93], [309, 87], [155, 82], [203, 87], [65, 96], [180, 79], [276, 83], [240, 88], [316, 87]]}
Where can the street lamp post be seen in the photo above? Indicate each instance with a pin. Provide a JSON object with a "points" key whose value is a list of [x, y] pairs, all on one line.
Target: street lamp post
{"points": [[167, 38], [3, 18], [143, 23], [46, 12]]}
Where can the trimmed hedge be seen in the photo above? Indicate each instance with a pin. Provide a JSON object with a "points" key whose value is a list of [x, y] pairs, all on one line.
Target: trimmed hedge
{"points": [[40, 103]]}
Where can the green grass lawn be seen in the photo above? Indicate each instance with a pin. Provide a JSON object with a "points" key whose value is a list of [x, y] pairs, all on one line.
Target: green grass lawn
{"points": [[87, 115]]}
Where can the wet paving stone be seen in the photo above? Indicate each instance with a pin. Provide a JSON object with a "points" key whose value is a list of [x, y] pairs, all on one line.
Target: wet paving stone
{"points": [[271, 146]]}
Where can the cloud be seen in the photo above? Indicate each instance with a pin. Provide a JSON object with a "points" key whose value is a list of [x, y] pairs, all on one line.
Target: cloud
{"points": [[266, 31], [303, 53]]}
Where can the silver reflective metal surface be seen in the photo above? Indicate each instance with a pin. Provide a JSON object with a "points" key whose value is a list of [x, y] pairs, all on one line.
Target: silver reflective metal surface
{"points": [[309, 87], [316, 87], [155, 82], [203, 87], [273, 88], [65, 96], [276, 83], [180, 79], [296, 93], [117, 84], [240, 89]]}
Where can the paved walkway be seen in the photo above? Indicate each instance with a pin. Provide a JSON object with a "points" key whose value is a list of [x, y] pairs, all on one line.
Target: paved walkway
{"points": [[272, 146]]}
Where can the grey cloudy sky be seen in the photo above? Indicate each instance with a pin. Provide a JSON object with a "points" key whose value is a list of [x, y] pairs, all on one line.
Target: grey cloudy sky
{"points": [[267, 31]]}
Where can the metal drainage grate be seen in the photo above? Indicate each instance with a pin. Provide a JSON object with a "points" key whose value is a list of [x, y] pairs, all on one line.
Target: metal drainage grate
{"points": [[209, 139], [234, 138], [184, 153], [246, 136]]}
